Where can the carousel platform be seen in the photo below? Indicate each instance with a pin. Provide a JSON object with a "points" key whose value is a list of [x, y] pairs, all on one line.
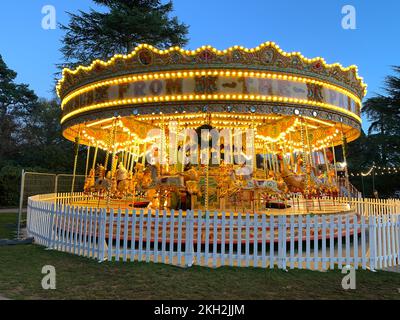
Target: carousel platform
{"points": [[291, 207]]}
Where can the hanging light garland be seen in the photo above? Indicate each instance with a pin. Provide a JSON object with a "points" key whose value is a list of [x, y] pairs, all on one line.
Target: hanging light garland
{"points": [[377, 171]]}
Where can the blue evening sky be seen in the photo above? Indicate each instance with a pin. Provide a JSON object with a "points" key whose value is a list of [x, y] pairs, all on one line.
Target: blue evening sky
{"points": [[312, 27]]}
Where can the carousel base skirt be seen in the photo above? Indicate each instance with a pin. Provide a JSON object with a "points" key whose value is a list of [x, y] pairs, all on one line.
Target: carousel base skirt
{"points": [[290, 207], [300, 210]]}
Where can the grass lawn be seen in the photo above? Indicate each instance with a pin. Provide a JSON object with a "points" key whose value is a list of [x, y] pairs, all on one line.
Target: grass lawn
{"points": [[8, 225], [81, 278]]}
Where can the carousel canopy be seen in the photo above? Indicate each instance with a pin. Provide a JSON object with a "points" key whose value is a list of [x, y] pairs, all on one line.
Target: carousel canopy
{"points": [[265, 88]]}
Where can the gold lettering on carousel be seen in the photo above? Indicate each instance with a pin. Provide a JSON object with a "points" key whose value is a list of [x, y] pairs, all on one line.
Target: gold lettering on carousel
{"points": [[174, 86], [333, 96], [101, 94], [265, 86], [75, 103], [89, 97], [315, 92], [231, 85], [206, 84], [122, 90], [341, 101], [156, 87], [138, 88], [245, 89], [349, 103], [209, 85], [284, 89], [82, 100]]}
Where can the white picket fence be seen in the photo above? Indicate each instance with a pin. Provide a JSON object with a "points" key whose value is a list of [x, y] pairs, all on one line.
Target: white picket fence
{"points": [[218, 239]]}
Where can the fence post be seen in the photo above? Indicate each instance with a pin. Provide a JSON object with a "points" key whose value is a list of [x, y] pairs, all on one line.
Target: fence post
{"points": [[28, 218], [189, 241], [282, 242], [372, 242], [21, 202], [56, 185], [50, 231], [397, 232], [102, 240]]}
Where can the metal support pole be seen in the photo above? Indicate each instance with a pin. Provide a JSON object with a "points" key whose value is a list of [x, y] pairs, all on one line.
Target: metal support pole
{"points": [[362, 182], [77, 141], [95, 156], [346, 171], [56, 185], [21, 202], [87, 161], [373, 180]]}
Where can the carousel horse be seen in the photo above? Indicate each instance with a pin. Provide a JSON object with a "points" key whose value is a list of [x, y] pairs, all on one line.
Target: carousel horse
{"points": [[193, 188], [295, 182], [228, 182], [89, 182], [106, 184], [191, 175], [270, 186], [132, 183], [102, 183], [163, 181], [141, 179], [328, 185], [154, 199], [122, 180], [149, 181], [282, 186], [191, 179]]}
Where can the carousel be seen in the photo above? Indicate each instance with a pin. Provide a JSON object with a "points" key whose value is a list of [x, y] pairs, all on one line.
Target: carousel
{"points": [[238, 130]]}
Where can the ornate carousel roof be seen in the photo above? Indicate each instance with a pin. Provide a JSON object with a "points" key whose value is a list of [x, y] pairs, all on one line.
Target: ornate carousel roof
{"points": [[264, 87]]}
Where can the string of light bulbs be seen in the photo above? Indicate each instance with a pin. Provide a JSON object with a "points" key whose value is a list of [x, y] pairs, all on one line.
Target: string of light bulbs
{"points": [[377, 171]]}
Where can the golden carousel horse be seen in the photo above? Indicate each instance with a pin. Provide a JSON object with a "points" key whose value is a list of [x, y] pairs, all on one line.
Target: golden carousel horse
{"points": [[122, 181], [295, 182], [90, 182], [227, 182], [103, 182]]}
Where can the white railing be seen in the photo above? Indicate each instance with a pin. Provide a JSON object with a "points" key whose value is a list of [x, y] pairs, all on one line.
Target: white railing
{"points": [[369, 239]]}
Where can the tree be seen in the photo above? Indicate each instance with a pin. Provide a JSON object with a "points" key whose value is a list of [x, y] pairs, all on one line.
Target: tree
{"points": [[17, 103], [392, 83], [43, 145], [381, 146], [383, 111], [126, 23]]}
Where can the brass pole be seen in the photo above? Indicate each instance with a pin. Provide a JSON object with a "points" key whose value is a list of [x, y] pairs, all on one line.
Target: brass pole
{"points": [[326, 162], [113, 166], [311, 159], [334, 162], [95, 156], [76, 151], [346, 171], [305, 160], [129, 156], [144, 154], [87, 160], [265, 160], [108, 150]]}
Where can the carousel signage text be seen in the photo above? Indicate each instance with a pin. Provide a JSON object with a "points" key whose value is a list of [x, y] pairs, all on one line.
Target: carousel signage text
{"points": [[210, 88]]}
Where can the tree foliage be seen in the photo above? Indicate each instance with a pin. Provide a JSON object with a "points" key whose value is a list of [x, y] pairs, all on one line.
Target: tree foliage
{"points": [[17, 102], [30, 134], [119, 28], [383, 112], [382, 144]]}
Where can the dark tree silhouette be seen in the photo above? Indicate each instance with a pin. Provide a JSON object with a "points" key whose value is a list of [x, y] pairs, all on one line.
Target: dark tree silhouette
{"points": [[124, 24]]}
